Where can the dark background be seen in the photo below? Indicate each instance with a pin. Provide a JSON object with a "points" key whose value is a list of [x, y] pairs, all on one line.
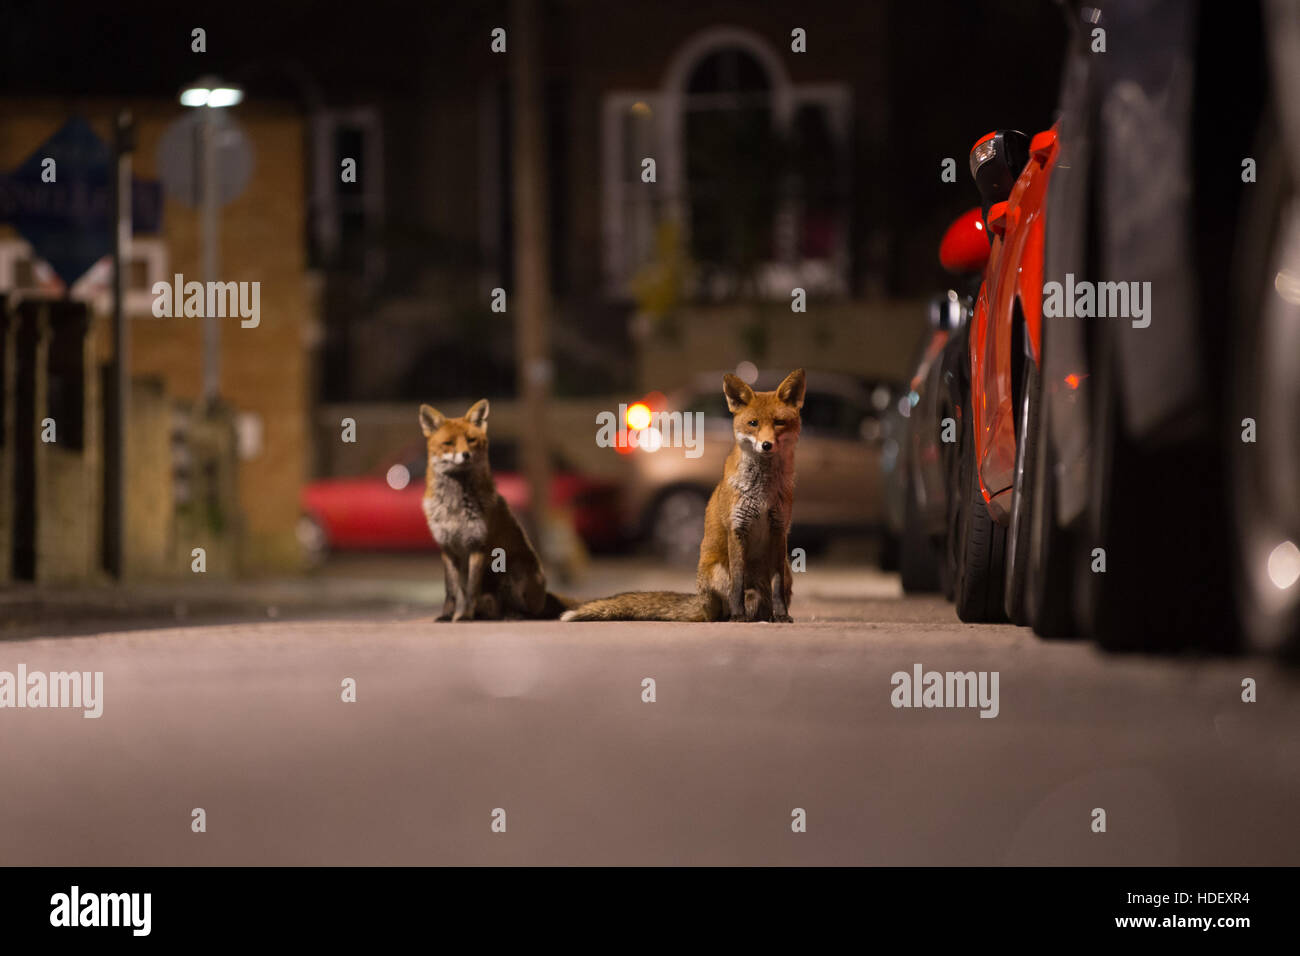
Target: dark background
{"points": [[927, 79]]}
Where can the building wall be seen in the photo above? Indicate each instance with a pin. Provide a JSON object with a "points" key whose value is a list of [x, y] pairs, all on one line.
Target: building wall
{"points": [[69, 489], [149, 543], [264, 370], [606, 47], [875, 340]]}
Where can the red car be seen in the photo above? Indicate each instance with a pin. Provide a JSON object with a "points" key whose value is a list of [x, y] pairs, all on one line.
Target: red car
{"points": [[382, 511], [1012, 172]]}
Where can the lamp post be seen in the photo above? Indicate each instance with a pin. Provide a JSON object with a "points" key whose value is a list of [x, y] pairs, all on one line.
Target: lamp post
{"points": [[207, 94], [117, 395]]}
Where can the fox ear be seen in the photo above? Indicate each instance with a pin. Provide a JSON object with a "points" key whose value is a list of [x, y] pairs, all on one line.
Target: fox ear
{"points": [[478, 413], [430, 419], [791, 390], [737, 393]]}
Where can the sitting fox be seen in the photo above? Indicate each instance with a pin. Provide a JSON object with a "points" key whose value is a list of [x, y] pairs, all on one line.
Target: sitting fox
{"points": [[744, 572], [470, 521]]}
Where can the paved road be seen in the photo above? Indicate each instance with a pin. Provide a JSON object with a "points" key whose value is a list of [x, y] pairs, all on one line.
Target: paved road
{"points": [[546, 721]]}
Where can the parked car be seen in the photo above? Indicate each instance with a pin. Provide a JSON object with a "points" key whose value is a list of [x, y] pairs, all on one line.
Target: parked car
{"points": [[1012, 173], [382, 510], [837, 464], [1146, 456], [1121, 469], [915, 455]]}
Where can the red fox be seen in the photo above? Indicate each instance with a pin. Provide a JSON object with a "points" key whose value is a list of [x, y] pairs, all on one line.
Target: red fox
{"points": [[470, 521], [744, 572]]}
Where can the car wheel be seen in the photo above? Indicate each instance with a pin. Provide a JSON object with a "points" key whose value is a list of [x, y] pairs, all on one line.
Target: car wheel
{"points": [[677, 527], [1157, 538], [953, 488], [1021, 495], [981, 548], [1050, 550], [313, 540]]}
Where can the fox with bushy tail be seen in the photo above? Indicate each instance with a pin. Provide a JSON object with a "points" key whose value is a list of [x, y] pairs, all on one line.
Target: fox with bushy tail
{"points": [[472, 523], [744, 571]]}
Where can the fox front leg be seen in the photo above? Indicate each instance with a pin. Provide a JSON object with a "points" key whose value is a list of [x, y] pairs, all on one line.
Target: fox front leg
{"points": [[473, 587], [450, 586], [782, 578], [736, 575]]}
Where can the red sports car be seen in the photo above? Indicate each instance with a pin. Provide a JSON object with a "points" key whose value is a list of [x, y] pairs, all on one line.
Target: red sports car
{"points": [[382, 511]]}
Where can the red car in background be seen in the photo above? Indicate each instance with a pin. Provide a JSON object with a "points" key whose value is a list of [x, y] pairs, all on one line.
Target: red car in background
{"points": [[382, 510]]}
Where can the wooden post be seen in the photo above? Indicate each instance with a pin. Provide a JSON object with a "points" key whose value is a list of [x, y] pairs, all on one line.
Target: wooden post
{"points": [[531, 295]]}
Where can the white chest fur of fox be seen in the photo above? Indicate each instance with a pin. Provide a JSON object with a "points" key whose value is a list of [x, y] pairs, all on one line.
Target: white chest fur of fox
{"points": [[757, 483], [455, 517]]}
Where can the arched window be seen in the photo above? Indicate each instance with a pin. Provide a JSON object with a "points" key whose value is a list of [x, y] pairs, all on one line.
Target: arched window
{"points": [[750, 173], [732, 166]]}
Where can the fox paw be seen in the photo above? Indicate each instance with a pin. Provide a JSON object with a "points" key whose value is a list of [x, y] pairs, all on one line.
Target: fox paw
{"points": [[782, 619]]}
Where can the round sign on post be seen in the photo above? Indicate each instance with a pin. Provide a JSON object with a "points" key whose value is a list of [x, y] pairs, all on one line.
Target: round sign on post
{"points": [[180, 159]]}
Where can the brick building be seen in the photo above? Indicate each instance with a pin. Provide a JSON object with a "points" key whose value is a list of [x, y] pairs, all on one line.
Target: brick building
{"points": [[245, 512]]}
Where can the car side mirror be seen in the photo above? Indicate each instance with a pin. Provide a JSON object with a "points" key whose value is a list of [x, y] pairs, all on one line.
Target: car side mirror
{"points": [[996, 161]]}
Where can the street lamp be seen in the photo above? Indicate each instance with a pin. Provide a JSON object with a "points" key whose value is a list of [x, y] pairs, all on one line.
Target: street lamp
{"points": [[209, 91], [207, 94]]}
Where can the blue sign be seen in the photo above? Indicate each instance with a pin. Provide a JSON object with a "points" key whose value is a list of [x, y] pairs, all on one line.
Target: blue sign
{"points": [[69, 222]]}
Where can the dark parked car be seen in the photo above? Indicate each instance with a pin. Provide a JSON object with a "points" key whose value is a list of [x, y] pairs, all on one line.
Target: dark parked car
{"points": [[915, 456]]}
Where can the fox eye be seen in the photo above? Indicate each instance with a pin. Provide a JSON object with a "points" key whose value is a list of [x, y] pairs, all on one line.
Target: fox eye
{"points": [[779, 422], [448, 444], [753, 423]]}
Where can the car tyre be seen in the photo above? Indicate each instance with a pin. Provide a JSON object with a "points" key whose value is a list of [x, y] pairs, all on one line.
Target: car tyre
{"points": [[1015, 604], [981, 549]]}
